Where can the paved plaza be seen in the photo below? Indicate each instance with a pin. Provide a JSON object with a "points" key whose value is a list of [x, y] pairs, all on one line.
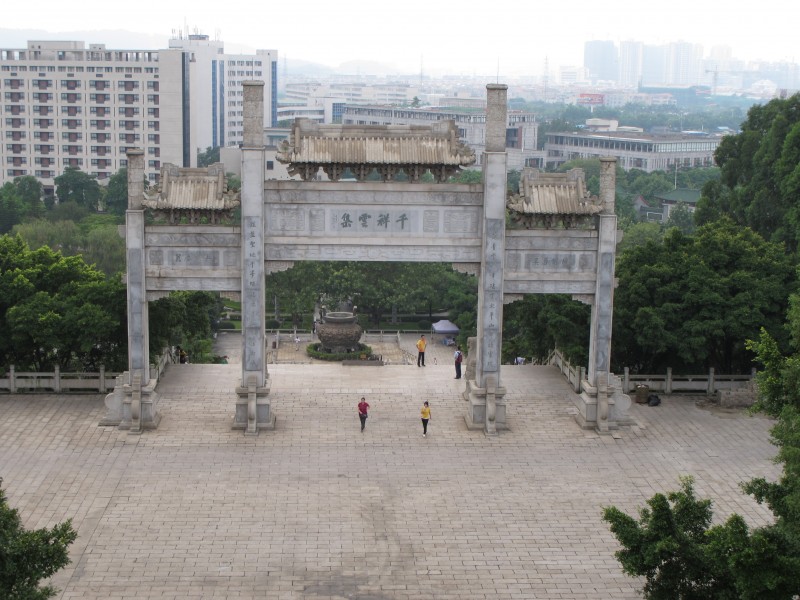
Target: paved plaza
{"points": [[317, 510]]}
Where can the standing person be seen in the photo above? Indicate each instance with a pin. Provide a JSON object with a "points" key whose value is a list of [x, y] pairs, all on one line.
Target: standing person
{"points": [[421, 344], [458, 357], [363, 409], [425, 413]]}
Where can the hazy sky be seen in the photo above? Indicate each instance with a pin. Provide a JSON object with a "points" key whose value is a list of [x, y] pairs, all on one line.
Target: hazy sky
{"points": [[466, 37]]}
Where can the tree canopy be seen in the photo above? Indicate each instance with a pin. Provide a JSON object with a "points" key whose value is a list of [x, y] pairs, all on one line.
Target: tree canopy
{"points": [[29, 556], [690, 302], [673, 544], [760, 173], [57, 310], [73, 185]]}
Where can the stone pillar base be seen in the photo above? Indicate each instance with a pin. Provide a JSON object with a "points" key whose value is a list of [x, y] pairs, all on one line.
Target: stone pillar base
{"points": [[132, 407], [589, 405], [253, 411], [478, 398]]}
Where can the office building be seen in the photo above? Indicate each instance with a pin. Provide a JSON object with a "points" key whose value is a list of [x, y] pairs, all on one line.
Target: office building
{"points": [[66, 105], [634, 150]]}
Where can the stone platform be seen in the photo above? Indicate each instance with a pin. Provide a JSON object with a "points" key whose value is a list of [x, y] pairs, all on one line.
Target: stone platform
{"points": [[317, 510]]}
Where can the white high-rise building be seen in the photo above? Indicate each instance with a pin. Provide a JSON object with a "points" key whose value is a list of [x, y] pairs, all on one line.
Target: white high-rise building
{"points": [[215, 89], [66, 105], [630, 63]]}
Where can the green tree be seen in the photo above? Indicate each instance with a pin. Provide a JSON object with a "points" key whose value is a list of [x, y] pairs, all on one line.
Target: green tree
{"points": [[73, 185], [68, 211], [30, 193], [58, 310], [61, 236], [12, 209], [538, 324], [209, 157], [234, 181], [105, 249], [27, 556], [758, 171], [185, 319], [117, 192], [690, 302], [675, 548], [670, 547], [467, 176], [681, 218]]}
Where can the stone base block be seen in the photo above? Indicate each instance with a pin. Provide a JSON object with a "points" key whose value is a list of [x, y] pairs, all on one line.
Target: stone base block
{"points": [[133, 408], [253, 411], [476, 409], [587, 410], [588, 416]]}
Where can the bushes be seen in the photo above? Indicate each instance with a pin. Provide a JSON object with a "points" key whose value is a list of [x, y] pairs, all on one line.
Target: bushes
{"points": [[312, 351]]}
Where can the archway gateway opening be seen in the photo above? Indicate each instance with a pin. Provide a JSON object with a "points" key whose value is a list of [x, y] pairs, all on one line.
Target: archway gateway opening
{"points": [[565, 242]]}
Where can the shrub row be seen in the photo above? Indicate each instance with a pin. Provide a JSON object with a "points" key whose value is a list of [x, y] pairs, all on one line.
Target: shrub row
{"points": [[312, 351]]}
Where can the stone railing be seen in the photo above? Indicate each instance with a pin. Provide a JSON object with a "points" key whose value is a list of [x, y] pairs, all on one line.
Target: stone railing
{"points": [[668, 383], [708, 383], [57, 382], [574, 375], [17, 382]]}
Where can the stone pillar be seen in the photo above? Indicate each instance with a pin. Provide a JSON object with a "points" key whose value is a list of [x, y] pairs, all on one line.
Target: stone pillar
{"points": [[252, 404], [596, 407], [138, 326], [487, 409]]}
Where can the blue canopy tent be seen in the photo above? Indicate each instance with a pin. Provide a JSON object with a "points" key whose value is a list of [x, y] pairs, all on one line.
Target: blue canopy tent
{"points": [[447, 329]]}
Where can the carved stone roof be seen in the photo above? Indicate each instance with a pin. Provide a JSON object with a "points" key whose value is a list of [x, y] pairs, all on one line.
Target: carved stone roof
{"points": [[554, 194], [191, 189], [435, 145]]}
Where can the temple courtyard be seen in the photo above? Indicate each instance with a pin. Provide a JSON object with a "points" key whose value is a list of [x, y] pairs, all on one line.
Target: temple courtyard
{"points": [[318, 510]]}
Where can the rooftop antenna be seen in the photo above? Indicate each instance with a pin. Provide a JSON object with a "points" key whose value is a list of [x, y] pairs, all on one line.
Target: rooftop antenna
{"points": [[498, 70], [421, 72]]}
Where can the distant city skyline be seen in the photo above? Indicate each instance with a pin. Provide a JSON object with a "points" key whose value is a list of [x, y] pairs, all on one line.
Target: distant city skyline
{"points": [[508, 40]]}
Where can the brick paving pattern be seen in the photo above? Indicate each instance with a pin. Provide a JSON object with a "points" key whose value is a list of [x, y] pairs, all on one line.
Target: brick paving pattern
{"points": [[317, 510]]}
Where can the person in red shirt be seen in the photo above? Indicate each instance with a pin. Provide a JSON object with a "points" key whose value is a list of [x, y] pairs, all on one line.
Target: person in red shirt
{"points": [[363, 409]]}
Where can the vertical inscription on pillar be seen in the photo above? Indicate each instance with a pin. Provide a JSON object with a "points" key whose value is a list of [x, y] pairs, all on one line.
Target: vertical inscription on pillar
{"points": [[605, 307], [251, 276], [492, 293]]}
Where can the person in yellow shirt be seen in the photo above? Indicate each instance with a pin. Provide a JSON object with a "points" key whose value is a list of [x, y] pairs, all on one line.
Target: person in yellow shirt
{"points": [[421, 343], [425, 413]]}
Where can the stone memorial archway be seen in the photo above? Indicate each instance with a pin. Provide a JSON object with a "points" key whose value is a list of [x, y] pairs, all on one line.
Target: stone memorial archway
{"points": [[565, 243]]}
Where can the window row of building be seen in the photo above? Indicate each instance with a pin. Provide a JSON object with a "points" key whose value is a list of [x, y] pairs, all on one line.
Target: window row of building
{"points": [[636, 151], [171, 102]]}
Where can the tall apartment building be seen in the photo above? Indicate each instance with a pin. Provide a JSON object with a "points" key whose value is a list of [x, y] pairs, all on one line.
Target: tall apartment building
{"points": [[600, 58], [521, 131], [630, 63], [215, 88], [66, 105]]}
